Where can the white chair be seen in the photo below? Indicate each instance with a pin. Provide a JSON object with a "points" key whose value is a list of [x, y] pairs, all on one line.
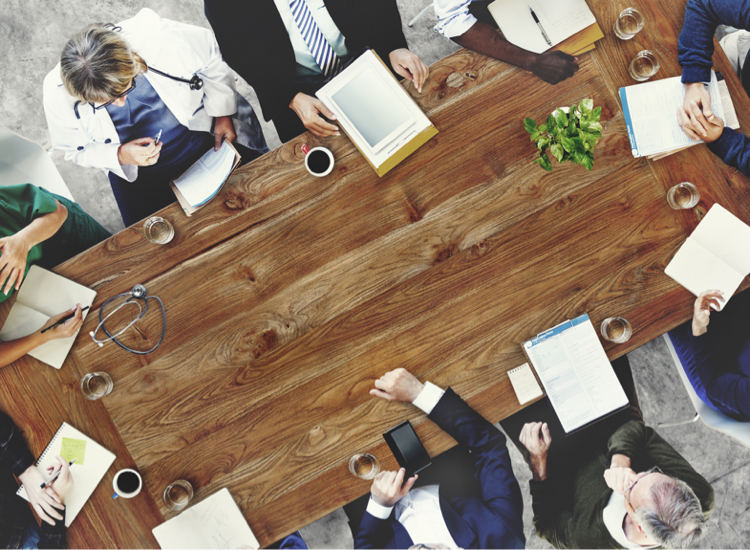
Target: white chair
{"points": [[712, 418], [420, 15], [23, 161]]}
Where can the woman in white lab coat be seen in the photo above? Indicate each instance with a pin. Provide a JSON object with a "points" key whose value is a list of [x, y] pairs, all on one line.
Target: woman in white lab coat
{"points": [[141, 100]]}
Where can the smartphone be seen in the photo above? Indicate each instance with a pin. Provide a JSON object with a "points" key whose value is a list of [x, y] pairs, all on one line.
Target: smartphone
{"points": [[407, 448]]}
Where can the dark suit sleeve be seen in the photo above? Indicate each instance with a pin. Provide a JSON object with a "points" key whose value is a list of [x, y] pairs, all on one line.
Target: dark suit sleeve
{"points": [[493, 471], [734, 149], [53, 536], [696, 42], [14, 454], [373, 532]]}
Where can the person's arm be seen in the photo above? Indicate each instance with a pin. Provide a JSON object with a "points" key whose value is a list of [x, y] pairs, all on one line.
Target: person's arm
{"points": [[375, 529], [15, 249], [53, 535], [646, 448], [15, 349]]}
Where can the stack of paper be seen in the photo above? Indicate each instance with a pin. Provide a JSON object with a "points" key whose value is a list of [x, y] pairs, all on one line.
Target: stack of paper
{"points": [[570, 25], [650, 111]]}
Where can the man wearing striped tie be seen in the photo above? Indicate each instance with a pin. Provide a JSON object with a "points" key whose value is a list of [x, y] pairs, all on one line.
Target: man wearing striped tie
{"points": [[287, 49]]}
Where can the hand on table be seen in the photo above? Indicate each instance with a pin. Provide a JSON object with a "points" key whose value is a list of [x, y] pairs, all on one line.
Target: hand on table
{"points": [[696, 126], [397, 385], [698, 93], [309, 110], [15, 249], [554, 67], [386, 489], [223, 129], [66, 329], [64, 482], [619, 479], [536, 438], [410, 66], [45, 501], [139, 152], [702, 310]]}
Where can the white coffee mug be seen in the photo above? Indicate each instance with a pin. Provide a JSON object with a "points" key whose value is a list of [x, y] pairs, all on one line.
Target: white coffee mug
{"points": [[309, 154], [121, 493]]}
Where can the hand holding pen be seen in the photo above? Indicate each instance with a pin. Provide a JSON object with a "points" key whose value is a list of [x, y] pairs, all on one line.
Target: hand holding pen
{"points": [[56, 474], [65, 324]]}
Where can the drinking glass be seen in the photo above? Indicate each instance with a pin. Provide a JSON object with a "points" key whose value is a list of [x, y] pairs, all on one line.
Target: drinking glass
{"points": [[683, 196], [644, 66], [96, 385], [364, 466], [178, 494], [629, 22], [158, 230], [616, 329]]}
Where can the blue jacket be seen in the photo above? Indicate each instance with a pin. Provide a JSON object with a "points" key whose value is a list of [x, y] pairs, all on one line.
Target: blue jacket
{"points": [[485, 514], [696, 48]]}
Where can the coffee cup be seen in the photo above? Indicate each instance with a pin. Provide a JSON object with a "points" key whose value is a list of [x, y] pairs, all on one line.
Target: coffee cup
{"points": [[127, 483], [318, 160]]}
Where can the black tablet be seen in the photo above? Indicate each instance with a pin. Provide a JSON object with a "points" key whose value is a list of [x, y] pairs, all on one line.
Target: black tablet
{"points": [[407, 448]]}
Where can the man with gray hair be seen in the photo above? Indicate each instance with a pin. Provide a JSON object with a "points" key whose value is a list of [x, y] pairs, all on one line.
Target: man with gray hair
{"points": [[597, 500]]}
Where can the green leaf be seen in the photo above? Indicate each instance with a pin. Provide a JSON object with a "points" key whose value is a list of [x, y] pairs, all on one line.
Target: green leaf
{"points": [[550, 122], [544, 162], [587, 105], [588, 161], [574, 110], [568, 144], [535, 135], [557, 150], [578, 143], [561, 118], [529, 125], [572, 130], [543, 128], [596, 114], [594, 127], [542, 143]]}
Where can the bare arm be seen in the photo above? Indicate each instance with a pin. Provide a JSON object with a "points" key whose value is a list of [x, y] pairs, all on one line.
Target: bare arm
{"points": [[552, 67]]}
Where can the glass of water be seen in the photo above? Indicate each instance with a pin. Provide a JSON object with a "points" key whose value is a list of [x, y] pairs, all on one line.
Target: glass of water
{"points": [[364, 466], [96, 385], [683, 196], [616, 329], [629, 23], [158, 230], [178, 494], [644, 66]]}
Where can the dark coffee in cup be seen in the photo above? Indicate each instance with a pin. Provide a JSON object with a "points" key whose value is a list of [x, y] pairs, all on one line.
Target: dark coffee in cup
{"points": [[128, 482], [319, 162]]}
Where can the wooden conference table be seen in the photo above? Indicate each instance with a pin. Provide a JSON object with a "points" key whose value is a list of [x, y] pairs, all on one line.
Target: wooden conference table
{"points": [[288, 295]]}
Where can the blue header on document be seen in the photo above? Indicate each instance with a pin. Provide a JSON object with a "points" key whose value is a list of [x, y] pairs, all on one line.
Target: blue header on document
{"points": [[554, 331], [628, 121]]}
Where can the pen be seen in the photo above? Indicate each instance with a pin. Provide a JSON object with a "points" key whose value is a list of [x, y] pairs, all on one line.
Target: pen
{"points": [[158, 136], [538, 24], [61, 321], [54, 476]]}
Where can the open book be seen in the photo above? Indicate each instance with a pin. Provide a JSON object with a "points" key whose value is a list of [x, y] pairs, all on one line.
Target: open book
{"points": [[91, 463], [375, 111], [560, 19], [203, 180], [215, 522], [576, 373], [650, 111], [715, 256], [43, 295]]}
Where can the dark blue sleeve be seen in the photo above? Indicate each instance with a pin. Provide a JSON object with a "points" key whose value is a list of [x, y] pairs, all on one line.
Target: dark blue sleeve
{"points": [[696, 42], [734, 149], [14, 454], [500, 490], [373, 532]]}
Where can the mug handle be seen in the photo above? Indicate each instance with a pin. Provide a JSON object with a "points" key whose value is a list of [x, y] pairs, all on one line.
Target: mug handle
{"points": [[115, 495]]}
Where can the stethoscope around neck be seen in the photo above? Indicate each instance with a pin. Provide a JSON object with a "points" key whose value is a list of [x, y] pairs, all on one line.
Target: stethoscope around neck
{"points": [[195, 83]]}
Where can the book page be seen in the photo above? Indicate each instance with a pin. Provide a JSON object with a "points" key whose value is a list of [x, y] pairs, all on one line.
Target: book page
{"points": [[215, 522], [200, 183], [726, 236]]}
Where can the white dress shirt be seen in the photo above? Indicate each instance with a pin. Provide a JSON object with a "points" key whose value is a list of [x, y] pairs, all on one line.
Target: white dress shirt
{"points": [[453, 17], [419, 510], [614, 518], [306, 63]]}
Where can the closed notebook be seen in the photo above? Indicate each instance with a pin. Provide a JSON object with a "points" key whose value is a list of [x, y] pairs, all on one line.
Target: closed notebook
{"points": [[215, 522], [92, 462], [43, 295]]}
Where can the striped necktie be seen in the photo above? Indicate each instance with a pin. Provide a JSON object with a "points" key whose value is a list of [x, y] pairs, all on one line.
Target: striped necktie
{"points": [[321, 50]]}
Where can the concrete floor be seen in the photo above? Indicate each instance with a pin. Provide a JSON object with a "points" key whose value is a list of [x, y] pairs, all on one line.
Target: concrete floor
{"points": [[35, 32]]}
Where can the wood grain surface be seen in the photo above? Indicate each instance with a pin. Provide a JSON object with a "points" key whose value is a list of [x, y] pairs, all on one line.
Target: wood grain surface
{"points": [[288, 295]]}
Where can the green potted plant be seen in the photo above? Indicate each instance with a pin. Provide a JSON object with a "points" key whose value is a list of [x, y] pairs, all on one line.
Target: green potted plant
{"points": [[568, 135]]}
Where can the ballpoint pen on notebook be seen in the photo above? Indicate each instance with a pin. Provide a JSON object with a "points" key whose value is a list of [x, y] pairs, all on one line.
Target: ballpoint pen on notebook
{"points": [[538, 24], [61, 321], [54, 476]]}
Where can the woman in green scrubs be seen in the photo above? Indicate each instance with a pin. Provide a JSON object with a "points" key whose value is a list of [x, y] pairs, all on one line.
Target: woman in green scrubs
{"points": [[39, 227]]}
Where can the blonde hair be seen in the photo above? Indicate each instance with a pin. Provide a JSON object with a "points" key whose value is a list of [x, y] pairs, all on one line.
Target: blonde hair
{"points": [[97, 64]]}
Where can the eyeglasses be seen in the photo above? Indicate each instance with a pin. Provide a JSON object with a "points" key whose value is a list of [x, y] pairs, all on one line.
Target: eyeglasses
{"points": [[626, 492], [111, 101]]}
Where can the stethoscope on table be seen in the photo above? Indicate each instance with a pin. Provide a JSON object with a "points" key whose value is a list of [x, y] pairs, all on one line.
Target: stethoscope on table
{"points": [[139, 292]]}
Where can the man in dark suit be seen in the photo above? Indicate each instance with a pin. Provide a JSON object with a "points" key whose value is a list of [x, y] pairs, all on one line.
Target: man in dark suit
{"points": [[272, 45], [476, 501]]}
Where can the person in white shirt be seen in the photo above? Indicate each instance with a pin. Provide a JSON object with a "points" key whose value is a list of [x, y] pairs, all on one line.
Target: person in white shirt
{"points": [[469, 24]]}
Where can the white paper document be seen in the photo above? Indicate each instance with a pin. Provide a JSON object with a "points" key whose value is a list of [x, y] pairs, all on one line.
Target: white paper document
{"points": [[576, 373], [524, 384], [215, 522], [715, 256], [200, 183], [560, 19]]}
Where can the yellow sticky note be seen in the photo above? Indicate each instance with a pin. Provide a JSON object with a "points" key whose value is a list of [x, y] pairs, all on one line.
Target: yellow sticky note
{"points": [[73, 449]]}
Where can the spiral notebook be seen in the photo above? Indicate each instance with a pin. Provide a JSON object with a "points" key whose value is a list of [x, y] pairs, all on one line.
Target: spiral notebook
{"points": [[92, 462]]}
